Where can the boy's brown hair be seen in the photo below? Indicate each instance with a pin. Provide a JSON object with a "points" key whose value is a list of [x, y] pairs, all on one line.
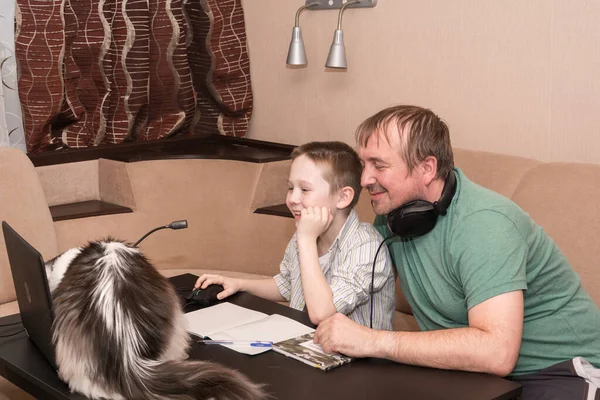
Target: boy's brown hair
{"points": [[339, 162]]}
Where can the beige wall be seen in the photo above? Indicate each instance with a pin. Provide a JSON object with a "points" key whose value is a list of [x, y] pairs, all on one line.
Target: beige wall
{"points": [[515, 77]]}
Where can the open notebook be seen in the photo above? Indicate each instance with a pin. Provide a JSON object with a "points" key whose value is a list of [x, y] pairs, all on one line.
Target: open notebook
{"points": [[227, 321]]}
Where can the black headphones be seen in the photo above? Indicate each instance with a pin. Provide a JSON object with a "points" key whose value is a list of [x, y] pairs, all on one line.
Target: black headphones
{"points": [[418, 217]]}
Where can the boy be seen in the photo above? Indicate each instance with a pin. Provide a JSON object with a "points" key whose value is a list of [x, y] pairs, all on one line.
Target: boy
{"points": [[328, 263]]}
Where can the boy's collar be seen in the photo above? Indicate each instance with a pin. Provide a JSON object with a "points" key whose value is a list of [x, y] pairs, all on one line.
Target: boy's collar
{"points": [[350, 223]]}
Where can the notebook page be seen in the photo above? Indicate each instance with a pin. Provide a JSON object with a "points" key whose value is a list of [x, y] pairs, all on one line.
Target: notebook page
{"points": [[273, 328], [220, 317]]}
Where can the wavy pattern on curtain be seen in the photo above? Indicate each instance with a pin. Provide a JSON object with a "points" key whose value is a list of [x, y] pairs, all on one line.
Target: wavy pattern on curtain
{"points": [[113, 71]]}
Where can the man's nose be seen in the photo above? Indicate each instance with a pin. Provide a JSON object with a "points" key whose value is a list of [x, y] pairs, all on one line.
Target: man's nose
{"points": [[367, 178]]}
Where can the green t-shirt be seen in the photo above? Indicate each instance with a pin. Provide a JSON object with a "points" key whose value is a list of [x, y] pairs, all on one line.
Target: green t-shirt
{"points": [[485, 246]]}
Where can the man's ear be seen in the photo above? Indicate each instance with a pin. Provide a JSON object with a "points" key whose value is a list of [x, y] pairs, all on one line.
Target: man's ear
{"points": [[429, 169], [345, 197]]}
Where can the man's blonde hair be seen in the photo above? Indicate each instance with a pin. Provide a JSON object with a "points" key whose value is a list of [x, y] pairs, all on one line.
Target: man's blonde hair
{"points": [[422, 133]]}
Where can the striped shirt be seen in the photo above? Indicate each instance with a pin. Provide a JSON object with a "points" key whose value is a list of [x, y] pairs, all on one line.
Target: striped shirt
{"points": [[348, 272]]}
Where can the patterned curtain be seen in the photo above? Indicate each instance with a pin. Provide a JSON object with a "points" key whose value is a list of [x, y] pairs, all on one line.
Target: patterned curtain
{"points": [[111, 71]]}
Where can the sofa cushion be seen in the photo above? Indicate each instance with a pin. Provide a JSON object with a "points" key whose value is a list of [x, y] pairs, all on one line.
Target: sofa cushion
{"points": [[199, 271], [12, 307], [498, 172], [8, 391], [404, 322], [562, 198], [9, 308], [24, 207]]}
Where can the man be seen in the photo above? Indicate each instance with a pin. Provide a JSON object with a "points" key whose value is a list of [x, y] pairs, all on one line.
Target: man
{"points": [[490, 290]]}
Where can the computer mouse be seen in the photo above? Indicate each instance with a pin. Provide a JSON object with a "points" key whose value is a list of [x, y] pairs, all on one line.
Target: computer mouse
{"points": [[204, 297]]}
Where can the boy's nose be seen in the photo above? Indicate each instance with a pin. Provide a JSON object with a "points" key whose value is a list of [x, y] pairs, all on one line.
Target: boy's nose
{"points": [[293, 197]]}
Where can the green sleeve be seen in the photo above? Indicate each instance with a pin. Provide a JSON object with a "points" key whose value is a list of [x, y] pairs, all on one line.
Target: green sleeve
{"points": [[488, 256]]}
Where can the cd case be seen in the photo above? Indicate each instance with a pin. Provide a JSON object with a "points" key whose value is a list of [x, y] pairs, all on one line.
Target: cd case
{"points": [[303, 349]]}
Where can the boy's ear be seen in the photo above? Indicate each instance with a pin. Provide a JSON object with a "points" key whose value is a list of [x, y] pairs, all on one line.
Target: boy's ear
{"points": [[345, 197]]}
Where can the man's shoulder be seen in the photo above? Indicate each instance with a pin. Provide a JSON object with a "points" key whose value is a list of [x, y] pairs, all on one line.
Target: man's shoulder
{"points": [[474, 199], [479, 194], [480, 211]]}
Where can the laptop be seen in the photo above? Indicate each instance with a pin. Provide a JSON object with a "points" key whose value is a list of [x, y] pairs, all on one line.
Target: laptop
{"points": [[33, 293]]}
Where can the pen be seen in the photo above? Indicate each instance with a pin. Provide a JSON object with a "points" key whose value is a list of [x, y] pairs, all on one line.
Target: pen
{"points": [[250, 343]]}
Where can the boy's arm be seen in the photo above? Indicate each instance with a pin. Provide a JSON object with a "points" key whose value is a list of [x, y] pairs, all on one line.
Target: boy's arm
{"points": [[317, 292], [265, 288]]}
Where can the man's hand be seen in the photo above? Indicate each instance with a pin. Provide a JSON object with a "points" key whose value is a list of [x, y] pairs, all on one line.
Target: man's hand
{"points": [[313, 222], [230, 285], [340, 334]]}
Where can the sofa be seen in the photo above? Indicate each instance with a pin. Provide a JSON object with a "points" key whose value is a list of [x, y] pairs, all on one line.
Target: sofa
{"points": [[219, 197]]}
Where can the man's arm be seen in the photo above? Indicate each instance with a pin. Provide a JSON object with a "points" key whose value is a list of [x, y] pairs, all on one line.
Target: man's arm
{"points": [[489, 344]]}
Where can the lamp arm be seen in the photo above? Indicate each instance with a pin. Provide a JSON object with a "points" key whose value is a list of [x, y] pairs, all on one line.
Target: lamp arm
{"points": [[342, 11], [304, 7]]}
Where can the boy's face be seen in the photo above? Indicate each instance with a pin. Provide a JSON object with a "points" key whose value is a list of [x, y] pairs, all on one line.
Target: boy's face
{"points": [[308, 188]]}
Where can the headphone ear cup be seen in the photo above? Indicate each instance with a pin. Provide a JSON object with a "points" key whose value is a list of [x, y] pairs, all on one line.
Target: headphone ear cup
{"points": [[418, 217], [412, 219]]}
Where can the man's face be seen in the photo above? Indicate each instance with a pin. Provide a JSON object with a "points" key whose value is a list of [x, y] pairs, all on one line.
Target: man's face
{"points": [[385, 174]]}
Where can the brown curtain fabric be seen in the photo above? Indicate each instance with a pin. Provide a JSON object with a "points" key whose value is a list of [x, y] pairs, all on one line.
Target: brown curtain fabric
{"points": [[109, 71]]}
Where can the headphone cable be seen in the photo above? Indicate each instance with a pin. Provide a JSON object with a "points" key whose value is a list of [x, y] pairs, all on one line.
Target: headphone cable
{"points": [[373, 277]]}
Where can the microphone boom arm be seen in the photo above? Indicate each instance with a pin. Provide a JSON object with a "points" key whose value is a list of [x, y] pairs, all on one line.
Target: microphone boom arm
{"points": [[181, 224]]}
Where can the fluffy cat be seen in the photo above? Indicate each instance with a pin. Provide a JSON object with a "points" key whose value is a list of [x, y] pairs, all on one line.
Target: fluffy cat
{"points": [[119, 331]]}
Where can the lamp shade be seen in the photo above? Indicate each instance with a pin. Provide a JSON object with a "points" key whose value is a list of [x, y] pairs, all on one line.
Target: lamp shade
{"points": [[337, 52], [296, 54]]}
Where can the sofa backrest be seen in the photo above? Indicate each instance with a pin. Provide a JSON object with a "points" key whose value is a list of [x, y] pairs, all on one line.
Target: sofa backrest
{"points": [[498, 172], [24, 207], [217, 197], [562, 198]]}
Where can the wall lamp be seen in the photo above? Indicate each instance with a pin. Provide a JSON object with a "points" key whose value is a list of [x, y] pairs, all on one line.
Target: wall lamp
{"points": [[337, 52]]}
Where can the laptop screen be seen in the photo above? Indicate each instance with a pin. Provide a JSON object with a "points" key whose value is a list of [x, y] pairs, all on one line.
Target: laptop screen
{"points": [[33, 293]]}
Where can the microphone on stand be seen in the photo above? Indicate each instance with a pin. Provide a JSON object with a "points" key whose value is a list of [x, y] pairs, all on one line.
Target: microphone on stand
{"points": [[182, 224]]}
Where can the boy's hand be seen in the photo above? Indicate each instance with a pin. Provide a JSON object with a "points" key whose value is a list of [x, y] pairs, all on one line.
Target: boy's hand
{"points": [[230, 285], [313, 222]]}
